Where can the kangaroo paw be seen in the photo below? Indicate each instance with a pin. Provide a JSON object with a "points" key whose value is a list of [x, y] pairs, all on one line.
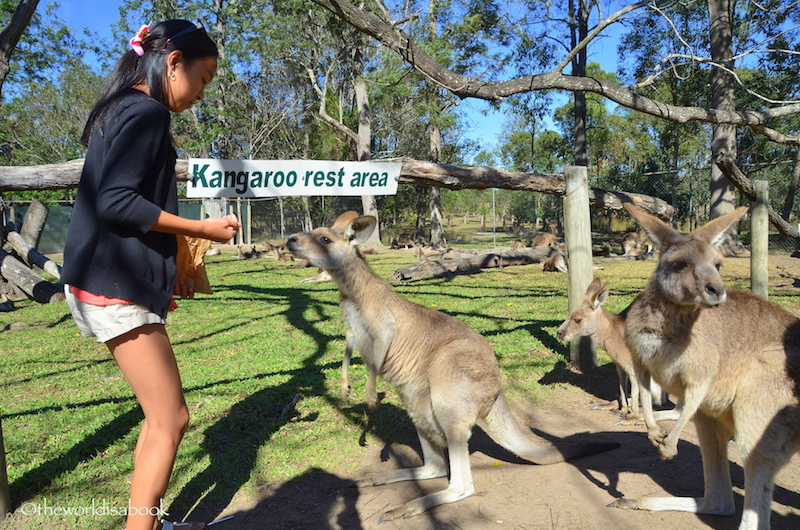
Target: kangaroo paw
{"points": [[608, 405], [667, 450], [656, 436], [630, 419], [401, 512], [625, 504]]}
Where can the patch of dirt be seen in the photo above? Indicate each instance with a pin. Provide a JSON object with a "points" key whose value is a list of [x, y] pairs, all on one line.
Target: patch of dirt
{"points": [[784, 271], [511, 493]]}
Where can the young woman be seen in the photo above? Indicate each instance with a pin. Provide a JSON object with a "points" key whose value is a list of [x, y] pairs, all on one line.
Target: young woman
{"points": [[119, 256]]}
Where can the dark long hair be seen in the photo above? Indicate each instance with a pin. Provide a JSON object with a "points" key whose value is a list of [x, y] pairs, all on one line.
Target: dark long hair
{"points": [[149, 69]]}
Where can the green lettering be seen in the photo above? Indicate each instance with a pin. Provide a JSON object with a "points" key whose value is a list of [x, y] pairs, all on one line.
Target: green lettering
{"points": [[216, 182], [232, 182], [255, 182], [201, 174], [241, 182]]}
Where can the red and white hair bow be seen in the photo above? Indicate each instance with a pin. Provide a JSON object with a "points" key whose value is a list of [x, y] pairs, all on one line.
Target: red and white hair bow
{"points": [[136, 40]]}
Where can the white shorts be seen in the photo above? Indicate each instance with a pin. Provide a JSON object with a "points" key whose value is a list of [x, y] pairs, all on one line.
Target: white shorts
{"points": [[110, 321]]}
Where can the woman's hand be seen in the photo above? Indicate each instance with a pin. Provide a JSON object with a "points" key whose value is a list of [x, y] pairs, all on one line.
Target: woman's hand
{"points": [[183, 290], [221, 229]]}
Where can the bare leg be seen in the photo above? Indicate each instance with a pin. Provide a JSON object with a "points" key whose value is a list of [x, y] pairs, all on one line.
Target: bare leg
{"points": [[146, 359]]}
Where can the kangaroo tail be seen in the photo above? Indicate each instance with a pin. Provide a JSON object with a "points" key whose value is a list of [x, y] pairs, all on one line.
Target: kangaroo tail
{"points": [[505, 430]]}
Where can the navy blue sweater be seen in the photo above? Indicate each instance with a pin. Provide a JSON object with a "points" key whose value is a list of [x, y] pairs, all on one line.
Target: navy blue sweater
{"points": [[127, 179]]}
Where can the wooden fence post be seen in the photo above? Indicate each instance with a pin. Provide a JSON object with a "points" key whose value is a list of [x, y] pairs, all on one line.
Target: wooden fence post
{"points": [[759, 240], [578, 238], [5, 496]]}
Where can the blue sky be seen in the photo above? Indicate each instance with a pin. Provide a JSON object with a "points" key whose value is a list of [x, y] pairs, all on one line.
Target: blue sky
{"points": [[97, 15]]}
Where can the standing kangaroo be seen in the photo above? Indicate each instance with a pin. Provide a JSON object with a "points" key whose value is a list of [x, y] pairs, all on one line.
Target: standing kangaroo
{"points": [[732, 357], [445, 372], [608, 330]]}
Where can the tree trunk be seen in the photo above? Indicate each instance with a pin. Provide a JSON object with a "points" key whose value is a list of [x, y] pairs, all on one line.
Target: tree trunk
{"points": [[34, 285], [472, 263], [435, 136], [12, 33], [5, 495], [422, 214], [437, 229], [364, 147], [788, 205], [723, 141], [33, 222], [581, 155], [676, 151], [32, 257]]}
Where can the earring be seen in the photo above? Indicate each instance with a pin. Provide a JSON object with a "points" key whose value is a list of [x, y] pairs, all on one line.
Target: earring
{"points": [[172, 75]]}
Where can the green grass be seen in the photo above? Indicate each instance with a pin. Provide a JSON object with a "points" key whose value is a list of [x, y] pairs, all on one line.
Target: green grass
{"points": [[70, 422]]}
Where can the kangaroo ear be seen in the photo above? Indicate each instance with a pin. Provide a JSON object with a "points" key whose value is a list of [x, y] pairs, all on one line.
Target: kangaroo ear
{"points": [[343, 220], [659, 232], [593, 288], [713, 231], [596, 294], [601, 297], [360, 229]]}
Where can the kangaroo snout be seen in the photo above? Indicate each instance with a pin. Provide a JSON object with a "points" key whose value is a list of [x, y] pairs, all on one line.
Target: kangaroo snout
{"points": [[715, 294]]}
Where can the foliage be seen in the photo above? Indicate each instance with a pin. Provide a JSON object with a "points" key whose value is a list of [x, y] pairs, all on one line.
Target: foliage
{"points": [[263, 103]]}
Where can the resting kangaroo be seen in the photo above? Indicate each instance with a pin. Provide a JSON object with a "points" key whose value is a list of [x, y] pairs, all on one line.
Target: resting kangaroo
{"points": [[445, 372], [732, 357], [608, 330]]}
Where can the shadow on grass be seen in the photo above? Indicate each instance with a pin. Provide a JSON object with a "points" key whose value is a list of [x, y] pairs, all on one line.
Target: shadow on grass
{"points": [[602, 382], [232, 443], [38, 478]]}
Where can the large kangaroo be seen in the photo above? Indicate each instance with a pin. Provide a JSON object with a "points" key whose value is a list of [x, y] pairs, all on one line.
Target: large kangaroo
{"points": [[732, 357], [445, 372], [591, 319]]}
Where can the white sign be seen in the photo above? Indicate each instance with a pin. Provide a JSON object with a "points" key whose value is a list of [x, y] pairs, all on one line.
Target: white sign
{"points": [[284, 178]]}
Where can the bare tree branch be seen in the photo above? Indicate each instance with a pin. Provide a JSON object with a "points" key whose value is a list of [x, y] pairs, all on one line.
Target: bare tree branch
{"points": [[323, 108], [740, 180], [463, 86]]}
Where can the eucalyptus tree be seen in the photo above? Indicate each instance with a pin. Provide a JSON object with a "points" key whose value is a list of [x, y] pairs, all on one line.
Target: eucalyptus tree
{"points": [[48, 93], [16, 16], [720, 61]]}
